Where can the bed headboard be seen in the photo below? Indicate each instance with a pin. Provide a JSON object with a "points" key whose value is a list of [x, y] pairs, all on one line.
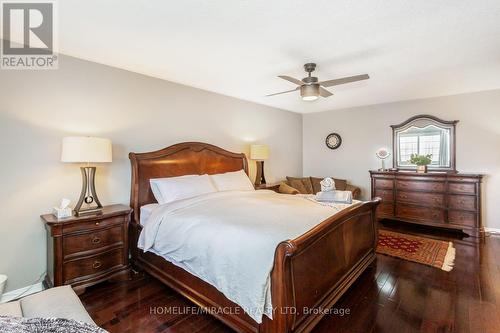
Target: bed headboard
{"points": [[181, 159]]}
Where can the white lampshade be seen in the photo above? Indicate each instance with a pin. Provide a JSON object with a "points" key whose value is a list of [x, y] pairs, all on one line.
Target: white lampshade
{"points": [[259, 152], [85, 149]]}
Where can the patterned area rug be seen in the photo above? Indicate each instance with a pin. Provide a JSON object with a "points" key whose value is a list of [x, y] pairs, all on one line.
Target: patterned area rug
{"points": [[423, 250]]}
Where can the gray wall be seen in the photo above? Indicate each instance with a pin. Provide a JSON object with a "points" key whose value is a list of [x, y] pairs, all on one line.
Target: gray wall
{"points": [[366, 129], [138, 113]]}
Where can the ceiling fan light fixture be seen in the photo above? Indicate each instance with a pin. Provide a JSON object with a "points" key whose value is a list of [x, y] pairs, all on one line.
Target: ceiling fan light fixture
{"points": [[309, 92]]}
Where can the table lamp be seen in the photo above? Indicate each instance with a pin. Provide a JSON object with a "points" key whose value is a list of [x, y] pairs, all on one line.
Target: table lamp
{"points": [[87, 150], [259, 153]]}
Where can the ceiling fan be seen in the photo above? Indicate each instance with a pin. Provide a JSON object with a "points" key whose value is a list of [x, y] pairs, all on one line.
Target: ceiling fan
{"points": [[311, 89]]}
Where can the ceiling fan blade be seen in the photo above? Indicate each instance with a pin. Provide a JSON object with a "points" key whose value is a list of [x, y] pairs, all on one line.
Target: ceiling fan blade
{"points": [[283, 92], [324, 93], [343, 80], [291, 79]]}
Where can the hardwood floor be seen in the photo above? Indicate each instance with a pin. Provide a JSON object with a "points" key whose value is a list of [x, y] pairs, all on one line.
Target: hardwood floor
{"points": [[393, 296]]}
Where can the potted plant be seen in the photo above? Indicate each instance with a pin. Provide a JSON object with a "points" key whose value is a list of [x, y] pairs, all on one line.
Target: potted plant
{"points": [[421, 161]]}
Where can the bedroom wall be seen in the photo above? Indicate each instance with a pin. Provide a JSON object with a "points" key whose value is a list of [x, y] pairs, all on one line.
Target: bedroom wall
{"points": [[365, 129], [138, 113]]}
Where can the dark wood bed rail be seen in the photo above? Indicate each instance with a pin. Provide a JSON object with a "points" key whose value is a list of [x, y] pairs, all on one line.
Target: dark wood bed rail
{"points": [[321, 264], [310, 272]]}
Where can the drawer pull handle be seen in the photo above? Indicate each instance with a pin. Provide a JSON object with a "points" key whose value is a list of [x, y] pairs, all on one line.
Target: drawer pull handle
{"points": [[96, 264], [97, 223], [96, 240]]}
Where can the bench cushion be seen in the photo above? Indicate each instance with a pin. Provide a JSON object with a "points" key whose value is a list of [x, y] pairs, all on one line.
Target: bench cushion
{"points": [[11, 309], [59, 302]]}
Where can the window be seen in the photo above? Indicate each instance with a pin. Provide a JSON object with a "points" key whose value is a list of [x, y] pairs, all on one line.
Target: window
{"points": [[421, 144]]}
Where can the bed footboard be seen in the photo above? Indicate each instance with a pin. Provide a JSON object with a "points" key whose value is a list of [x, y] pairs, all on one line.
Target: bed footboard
{"points": [[313, 271]]}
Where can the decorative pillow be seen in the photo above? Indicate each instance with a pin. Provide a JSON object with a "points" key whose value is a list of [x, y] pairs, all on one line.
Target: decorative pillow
{"points": [[166, 190], [286, 189], [303, 185], [54, 325], [232, 181], [340, 184]]}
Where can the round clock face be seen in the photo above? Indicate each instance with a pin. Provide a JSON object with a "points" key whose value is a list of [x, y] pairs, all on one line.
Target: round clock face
{"points": [[333, 141]]}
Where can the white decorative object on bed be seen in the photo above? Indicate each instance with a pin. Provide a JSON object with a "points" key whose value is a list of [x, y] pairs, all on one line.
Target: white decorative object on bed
{"points": [[195, 234], [327, 185], [171, 189], [232, 181], [330, 194]]}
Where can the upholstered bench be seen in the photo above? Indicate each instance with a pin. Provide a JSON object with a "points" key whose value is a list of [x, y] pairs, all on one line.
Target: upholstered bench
{"points": [[59, 302]]}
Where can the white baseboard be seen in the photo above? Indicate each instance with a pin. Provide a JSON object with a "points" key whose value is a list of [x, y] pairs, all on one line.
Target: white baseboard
{"points": [[24, 291], [492, 230]]}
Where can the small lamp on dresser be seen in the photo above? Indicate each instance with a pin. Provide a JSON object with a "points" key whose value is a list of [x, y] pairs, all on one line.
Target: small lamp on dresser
{"points": [[87, 150], [259, 153]]}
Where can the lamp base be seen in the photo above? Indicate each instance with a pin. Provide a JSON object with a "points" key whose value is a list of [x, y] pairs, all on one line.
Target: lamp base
{"points": [[90, 211], [88, 194], [260, 179]]}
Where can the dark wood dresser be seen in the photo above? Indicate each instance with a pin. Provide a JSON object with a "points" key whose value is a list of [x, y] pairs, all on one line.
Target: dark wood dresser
{"points": [[447, 200], [85, 250]]}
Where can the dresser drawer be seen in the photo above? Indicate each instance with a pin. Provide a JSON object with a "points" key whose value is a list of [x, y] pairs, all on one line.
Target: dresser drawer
{"points": [[384, 183], [462, 218], [94, 265], [74, 244], [419, 213], [464, 202], [420, 186], [464, 188], [421, 198], [385, 209], [385, 195], [94, 225]]}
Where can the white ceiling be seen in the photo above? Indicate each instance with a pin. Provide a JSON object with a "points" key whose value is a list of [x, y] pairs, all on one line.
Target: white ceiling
{"points": [[411, 48]]}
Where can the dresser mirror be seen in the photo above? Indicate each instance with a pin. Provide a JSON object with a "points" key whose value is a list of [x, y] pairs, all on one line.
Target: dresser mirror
{"points": [[425, 135]]}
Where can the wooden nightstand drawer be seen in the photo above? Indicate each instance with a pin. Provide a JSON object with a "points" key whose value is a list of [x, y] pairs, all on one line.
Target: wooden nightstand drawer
{"points": [[93, 225], [79, 244], [85, 250], [95, 265]]}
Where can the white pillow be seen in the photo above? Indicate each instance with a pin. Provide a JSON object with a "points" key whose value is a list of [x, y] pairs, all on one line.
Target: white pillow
{"points": [[232, 181], [166, 190]]}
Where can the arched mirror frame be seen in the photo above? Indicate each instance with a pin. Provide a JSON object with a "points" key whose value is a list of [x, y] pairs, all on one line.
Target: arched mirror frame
{"points": [[431, 120]]}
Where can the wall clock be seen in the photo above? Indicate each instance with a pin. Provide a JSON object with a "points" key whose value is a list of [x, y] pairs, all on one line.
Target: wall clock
{"points": [[333, 141]]}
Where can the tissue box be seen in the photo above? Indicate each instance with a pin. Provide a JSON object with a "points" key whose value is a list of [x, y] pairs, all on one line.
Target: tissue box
{"points": [[61, 213]]}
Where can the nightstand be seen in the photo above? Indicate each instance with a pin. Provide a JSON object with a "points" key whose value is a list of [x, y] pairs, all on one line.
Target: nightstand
{"points": [[85, 250], [274, 188]]}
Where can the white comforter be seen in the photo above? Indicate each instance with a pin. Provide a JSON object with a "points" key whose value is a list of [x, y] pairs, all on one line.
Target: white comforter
{"points": [[228, 239]]}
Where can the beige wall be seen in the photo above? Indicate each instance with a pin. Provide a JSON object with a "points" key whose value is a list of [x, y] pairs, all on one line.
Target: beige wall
{"points": [[365, 129], [137, 113]]}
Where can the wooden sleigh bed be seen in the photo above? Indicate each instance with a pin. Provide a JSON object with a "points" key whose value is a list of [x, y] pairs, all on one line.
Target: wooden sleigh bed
{"points": [[310, 272]]}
